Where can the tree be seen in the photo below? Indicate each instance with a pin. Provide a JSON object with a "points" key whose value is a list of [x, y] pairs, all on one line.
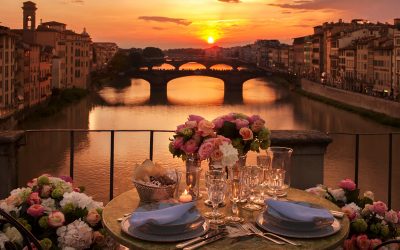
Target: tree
{"points": [[153, 53], [136, 59], [120, 62]]}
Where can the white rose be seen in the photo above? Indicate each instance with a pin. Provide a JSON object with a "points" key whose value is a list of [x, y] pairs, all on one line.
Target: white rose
{"points": [[338, 194], [369, 194], [13, 234], [3, 239]]}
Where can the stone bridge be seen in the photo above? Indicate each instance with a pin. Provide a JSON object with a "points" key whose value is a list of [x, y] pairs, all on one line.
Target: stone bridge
{"points": [[233, 82]]}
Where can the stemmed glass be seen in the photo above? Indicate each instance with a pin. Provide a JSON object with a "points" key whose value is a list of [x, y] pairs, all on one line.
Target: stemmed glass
{"points": [[264, 163], [236, 184], [252, 180], [276, 181], [216, 193], [218, 174]]}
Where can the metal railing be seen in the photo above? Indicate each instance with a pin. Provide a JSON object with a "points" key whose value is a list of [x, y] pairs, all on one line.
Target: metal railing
{"points": [[72, 133]]}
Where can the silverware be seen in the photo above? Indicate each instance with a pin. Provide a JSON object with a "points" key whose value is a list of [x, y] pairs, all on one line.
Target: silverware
{"points": [[205, 242], [205, 237], [253, 230], [283, 239]]}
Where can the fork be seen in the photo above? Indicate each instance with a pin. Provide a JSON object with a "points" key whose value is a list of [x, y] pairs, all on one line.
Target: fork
{"points": [[258, 231], [251, 230]]}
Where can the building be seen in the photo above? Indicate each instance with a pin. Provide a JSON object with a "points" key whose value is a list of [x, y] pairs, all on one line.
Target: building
{"points": [[396, 58], [102, 54]]}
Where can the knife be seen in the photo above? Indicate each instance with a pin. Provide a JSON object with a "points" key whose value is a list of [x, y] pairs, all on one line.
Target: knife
{"points": [[205, 242], [205, 237]]}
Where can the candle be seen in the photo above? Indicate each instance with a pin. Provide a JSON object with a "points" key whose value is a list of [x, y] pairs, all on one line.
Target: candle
{"points": [[185, 197]]}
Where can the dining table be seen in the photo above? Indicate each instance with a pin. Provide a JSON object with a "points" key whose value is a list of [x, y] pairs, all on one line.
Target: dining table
{"points": [[128, 201]]}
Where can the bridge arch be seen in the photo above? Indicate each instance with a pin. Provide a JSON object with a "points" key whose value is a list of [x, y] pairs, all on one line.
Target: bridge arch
{"points": [[165, 66], [221, 67], [192, 66]]}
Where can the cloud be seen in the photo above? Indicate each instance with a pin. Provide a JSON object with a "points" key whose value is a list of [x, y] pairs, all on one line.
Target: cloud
{"points": [[230, 1], [162, 19], [73, 1], [331, 4]]}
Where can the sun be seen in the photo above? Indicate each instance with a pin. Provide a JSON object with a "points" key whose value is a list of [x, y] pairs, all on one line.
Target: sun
{"points": [[210, 40]]}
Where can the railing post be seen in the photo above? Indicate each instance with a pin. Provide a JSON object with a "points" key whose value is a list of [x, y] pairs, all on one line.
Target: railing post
{"points": [[71, 153], [112, 165], [356, 160], [390, 170], [151, 144]]}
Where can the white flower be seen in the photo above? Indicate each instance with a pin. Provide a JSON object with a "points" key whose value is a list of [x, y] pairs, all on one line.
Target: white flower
{"points": [[60, 183], [9, 208], [318, 190], [80, 200], [369, 194], [14, 235], [3, 239], [76, 235], [230, 154], [49, 205], [22, 193], [338, 194]]}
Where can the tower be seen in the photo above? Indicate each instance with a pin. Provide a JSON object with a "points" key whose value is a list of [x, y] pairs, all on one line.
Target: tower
{"points": [[29, 21]]}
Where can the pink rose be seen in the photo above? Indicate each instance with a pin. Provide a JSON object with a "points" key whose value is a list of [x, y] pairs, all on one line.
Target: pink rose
{"points": [[98, 237], [351, 214], [14, 200], [35, 210], [347, 184], [178, 142], [190, 146], [379, 207], [223, 139], [257, 126], [191, 124], [241, 123], [66, 178], [33, 198], [45, 191], [93, 217], [218, 122], [217, 155], [206, 149], [246, 134], [363, 242], [229, 117], [180, 127], [206, 127], [374, 243], [56, 219], [196, 118], [197, 137], [349, 245], [391, 216], [32, 183], [77, 189], [255, 118]]}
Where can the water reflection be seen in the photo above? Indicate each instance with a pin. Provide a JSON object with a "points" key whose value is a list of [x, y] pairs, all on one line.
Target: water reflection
{"points": [[196, 90], [221, 67], [192, 66], [137, 93], [262, 91], [164, 66]]}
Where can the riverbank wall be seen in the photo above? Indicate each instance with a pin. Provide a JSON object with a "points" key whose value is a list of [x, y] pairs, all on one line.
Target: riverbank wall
{"points": [[360, 103]]}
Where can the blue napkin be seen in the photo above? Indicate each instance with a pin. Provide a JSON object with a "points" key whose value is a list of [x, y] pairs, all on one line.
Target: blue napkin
{"points": [[298, 212], [161, 216]]}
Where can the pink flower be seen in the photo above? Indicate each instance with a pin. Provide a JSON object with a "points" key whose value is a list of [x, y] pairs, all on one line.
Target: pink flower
{"points": [[351, 214], [45, 191], [206, 149], [206, 127], [178, 142], [66, 178], [180, 127], [348, 185], [349, 245], [56, 219], [35, 210], [255, 118], [246, 134], [93, 217], [363, 242], [374, 243], [379, 207], [190, 146], [217, 155], [191, 124], [223, 139], [32, 183], [218, 122], [241, 123], [33, 198], [257, 126], [196, 118], [77, 189], [98, 237], [391, 216], [14, 200], [229, 117]]}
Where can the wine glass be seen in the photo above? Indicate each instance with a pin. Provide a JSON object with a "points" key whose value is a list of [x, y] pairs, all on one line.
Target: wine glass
{"points": [[216, 193], [276, 181], [236, 184], [209, 175], [252, 180], [264, 163]]}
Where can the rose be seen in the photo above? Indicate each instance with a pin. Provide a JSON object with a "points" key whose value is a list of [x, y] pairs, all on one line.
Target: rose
{"points": [[229, 117], [391, 216], [217, 155], [66, 178], [351, 214], [93, 217], [246, 134], [14, 235], [14, 200], [205, 150], [349, 245], [255, 118], [218, 122], [33, 198], [368, 209], [318, 190], [379, 207], [56, 219], [196, 118], [180, 127], [191, 124], [363, 242], [257, 126], [190, 146], [98, 237], [374, 243], [206, 127], [45, 191], [338, 194], [35, 210], [369, 195], [347, 184], [32, 183], [178, 142], [241, 123]]}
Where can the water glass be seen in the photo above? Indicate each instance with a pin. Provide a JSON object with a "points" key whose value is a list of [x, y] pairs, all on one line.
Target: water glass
{"points": [[216, 193], [280, 159], [210, 175], [193, 182], [235, 184], [264, 163], [252, 180]]}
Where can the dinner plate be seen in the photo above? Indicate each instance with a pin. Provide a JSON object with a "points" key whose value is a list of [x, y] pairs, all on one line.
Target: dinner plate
{"points": [[322, 232], [130, 230]]}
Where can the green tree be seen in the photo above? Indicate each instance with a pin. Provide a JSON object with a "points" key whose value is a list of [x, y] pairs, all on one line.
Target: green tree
{"points": [[153, 53], [120, 62]]}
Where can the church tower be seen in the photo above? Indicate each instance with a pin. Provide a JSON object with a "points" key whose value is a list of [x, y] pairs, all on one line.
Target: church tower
{"points": [[29, 21]]}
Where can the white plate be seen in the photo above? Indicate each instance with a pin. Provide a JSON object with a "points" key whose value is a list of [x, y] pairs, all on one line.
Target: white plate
{"points": [[324, 232], [134, 232]]}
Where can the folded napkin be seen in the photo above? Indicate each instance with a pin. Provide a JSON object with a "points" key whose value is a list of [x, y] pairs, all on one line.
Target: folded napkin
{"points": [[161, 216], [298, 212]]}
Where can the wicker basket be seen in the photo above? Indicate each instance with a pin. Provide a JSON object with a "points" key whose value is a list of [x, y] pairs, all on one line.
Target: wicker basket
{"points": [[152, 194]]}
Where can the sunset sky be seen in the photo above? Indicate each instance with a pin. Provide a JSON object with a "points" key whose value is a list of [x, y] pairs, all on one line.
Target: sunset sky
{"points": [[189, 23]]}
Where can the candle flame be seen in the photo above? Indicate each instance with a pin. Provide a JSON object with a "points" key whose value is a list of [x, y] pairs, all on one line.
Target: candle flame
{"points": [[185, 192]]}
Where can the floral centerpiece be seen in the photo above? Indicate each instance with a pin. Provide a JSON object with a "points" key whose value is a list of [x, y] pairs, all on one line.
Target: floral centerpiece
{"points": [[371, 223], [59, 215], [220, 151], [246, 132]]}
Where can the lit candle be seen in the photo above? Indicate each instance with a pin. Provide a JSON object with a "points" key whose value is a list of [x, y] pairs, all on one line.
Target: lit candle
{"points": [[185, 197]]}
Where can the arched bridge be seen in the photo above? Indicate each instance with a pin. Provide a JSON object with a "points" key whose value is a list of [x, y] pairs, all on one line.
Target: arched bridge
{"points": [[233, 82], [207, 62]]}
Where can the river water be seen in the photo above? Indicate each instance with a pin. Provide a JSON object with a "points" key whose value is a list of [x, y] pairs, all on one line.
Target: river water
{"points": [[128, 108]]}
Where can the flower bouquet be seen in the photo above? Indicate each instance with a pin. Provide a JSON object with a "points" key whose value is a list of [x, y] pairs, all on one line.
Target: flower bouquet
{"points": [[246, 132], [371, 223], [59, 216], [220, 151]]}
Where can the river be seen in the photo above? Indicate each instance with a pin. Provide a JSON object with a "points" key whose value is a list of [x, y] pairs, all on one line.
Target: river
{"points": [[126, 108]]}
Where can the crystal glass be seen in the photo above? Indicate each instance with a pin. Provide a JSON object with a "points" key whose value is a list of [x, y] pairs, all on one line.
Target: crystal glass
{"points": [[211, 175], [193, 182], [264, 163], [252, 180], [235, 181], [216, 193], [280, 159]]}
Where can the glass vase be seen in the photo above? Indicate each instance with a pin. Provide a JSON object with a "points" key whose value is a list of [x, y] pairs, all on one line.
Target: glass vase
{"points": [[193, 171]]}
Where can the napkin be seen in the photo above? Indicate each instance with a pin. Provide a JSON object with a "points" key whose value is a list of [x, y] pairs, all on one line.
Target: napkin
{"points": [[298, 212], [160, 216]]}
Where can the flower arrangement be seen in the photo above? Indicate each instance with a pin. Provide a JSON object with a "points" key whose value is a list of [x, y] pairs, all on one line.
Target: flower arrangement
{"points": [[190, 135], [59, 215], [219, 150], [371, 223], [246, 132]]}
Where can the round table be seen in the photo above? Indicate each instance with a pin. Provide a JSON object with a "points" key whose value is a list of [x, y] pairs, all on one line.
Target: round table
{"points": [[128, 201]]}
